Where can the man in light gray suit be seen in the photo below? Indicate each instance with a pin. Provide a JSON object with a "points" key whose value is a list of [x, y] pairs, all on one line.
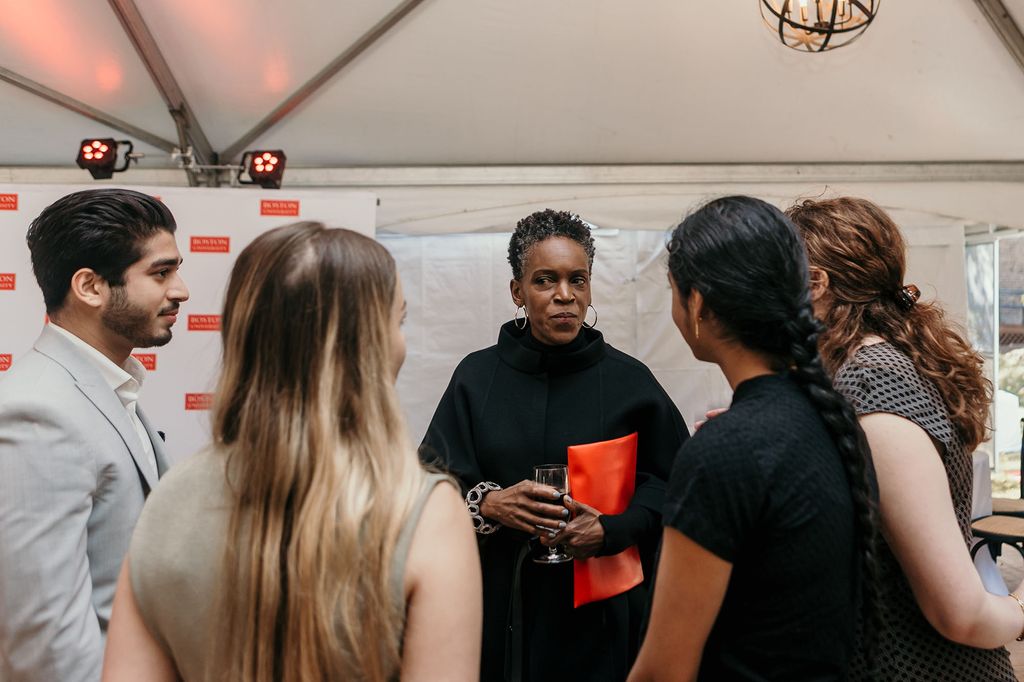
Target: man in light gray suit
{"points": [[77, 455]]}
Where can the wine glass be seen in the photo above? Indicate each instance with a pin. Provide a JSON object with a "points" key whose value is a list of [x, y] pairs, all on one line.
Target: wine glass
{"points": [[556, 476]]}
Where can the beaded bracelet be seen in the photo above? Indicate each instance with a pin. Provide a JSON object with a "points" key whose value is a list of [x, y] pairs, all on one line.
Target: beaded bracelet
{"points": [[475, 497], [1020, 603]]}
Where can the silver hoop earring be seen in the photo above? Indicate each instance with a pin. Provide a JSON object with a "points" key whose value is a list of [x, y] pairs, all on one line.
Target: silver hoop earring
{"points": [[516, 320], [591, 326]]}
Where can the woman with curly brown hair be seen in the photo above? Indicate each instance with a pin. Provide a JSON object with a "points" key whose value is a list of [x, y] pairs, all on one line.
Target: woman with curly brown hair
{"points": [[923, 401]]}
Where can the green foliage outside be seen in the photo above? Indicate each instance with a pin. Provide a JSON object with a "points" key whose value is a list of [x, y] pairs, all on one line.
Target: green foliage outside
{"points": [[1011, 372]]}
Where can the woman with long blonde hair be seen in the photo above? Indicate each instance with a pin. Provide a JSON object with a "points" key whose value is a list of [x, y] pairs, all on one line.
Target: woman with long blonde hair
{"points": [[307, 543]]}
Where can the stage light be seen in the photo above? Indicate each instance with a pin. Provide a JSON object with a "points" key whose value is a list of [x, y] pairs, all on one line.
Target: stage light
{"points": [[265, 167], [99, 157]]}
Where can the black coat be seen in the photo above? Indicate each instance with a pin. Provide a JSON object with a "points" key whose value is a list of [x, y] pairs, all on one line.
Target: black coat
{"points": [[518, 404]]}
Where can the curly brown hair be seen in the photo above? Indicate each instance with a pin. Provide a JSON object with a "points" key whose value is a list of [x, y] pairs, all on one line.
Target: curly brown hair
{"points": [[863, 252]]}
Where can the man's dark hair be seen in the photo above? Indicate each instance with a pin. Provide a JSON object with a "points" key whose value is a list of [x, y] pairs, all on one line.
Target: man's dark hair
{"points": [[101, 229], [541, 225]]}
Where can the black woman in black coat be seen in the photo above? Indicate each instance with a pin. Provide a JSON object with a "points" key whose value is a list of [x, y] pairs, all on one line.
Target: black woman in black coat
{"points": [[550, 382]]}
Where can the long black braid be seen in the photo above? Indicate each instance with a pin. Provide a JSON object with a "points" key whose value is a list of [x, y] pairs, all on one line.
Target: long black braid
{"points": [[841, 421], [748, 262]]}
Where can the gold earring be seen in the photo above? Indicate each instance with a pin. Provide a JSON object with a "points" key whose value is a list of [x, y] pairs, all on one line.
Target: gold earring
{"points": [[696, 326]]}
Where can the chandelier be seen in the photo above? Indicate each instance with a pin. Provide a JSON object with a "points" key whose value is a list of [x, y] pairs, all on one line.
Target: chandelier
{"points": [[818, 25]]}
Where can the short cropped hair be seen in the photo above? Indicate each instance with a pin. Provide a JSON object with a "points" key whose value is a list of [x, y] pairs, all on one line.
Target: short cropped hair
{"points": [[541, 225], [101, 229]]}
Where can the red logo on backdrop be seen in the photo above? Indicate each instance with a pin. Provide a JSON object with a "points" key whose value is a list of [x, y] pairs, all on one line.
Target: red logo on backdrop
{"points": [[148, 360], [210, 244], [8, 202], [5, 362], [198, 401], [204, 323], [279, 207], [7, 281]]}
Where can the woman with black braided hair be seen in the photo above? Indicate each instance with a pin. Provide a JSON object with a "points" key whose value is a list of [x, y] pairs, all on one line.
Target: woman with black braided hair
{"points": [[769, 536], [924, 401]]}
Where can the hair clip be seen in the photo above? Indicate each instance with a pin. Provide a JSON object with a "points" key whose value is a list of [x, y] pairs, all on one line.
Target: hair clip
{"points": [[907, 296]]}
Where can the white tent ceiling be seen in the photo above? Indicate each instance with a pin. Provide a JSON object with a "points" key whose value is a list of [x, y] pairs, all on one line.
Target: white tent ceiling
{"points": [[569, 82]]}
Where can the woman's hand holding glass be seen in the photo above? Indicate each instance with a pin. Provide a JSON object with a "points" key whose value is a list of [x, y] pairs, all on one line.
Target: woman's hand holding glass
{"points": [[583, 536], [527, 506]]}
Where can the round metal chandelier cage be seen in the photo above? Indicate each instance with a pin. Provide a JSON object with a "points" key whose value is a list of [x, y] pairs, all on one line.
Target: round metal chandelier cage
{"points": [[818, 25]]}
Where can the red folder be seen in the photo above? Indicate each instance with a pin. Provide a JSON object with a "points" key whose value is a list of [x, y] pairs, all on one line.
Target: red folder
{"points": [[603, 475]]}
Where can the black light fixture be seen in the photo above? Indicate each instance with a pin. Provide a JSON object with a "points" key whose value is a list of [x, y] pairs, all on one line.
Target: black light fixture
{"points": [[264, 166], [99, 156], [818, 25]]}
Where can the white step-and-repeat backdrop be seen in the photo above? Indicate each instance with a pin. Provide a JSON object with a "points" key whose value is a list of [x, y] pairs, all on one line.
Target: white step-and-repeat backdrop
{"points": [[213, 226]]}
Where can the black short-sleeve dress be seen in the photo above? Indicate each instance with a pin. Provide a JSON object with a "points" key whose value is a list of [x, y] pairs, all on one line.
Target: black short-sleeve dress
{"points": [[763, 487], [880, 378]]}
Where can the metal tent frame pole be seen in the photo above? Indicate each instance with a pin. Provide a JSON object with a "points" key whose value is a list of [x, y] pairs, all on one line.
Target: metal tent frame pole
{"points": [[1005, 27], [149, 52], [84, 109]]}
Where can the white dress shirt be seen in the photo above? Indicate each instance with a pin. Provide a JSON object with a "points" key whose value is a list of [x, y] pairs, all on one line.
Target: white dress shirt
{"points": [[126, 382]]}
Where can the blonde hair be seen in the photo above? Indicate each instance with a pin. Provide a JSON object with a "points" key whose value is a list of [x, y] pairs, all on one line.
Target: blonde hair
{"points": [[322, 473]]}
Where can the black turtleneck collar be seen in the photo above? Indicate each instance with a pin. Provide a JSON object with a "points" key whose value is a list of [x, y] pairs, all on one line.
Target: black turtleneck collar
{"points": [[518, 349]]}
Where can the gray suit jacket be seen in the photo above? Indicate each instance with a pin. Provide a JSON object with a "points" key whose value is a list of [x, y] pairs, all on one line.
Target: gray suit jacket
{"points": [[72, 484]]}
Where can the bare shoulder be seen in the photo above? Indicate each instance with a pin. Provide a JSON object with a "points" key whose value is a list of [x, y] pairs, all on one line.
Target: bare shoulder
{"points": [[888, 424], [444, 505], [444, 530], [898, 442], [443, 593], [444, 519]]}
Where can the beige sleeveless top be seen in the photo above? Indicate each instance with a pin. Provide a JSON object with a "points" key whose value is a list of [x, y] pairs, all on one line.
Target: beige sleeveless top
{"points": [[176, 552]]}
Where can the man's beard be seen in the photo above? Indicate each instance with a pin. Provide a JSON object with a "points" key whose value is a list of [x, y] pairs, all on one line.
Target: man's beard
{"points": [[131, 322]]}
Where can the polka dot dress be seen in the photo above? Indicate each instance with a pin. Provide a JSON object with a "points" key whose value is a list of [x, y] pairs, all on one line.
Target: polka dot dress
{"points": [[880, 378]]}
